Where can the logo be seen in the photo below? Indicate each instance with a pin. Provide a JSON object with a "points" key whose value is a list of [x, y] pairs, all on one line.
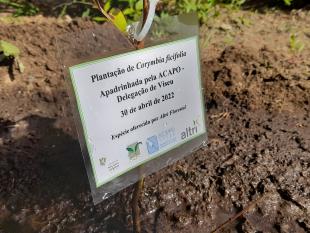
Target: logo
{"points": [[197, 121], [167, 137], [190, 130], [103, 161], [152, 144], [134, 150]]}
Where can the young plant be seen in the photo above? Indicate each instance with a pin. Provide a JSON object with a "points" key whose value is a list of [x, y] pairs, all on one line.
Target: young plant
{"points": [[10, 53], [133, 9], [118, 19], [114, 15], [202, 7], [23, 8], [295, 44], [84, 6], [237, 3]]}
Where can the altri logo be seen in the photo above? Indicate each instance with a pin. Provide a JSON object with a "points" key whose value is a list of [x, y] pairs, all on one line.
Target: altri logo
{"points": [[190, 131]]}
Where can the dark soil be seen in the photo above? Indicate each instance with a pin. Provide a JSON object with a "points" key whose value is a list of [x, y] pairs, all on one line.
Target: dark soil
{"points": [[257, 92]]}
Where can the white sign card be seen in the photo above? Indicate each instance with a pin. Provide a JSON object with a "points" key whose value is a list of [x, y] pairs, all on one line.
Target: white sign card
{"points": [[137, 106]]}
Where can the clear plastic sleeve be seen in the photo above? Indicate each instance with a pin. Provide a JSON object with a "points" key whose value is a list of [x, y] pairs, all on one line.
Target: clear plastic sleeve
{"points": [[103, 41]]}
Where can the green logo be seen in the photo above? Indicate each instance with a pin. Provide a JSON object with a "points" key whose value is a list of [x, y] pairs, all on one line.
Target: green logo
{"points": [[133, 150]]}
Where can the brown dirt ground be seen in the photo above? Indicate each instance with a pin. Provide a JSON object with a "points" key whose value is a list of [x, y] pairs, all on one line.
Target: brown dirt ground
{"points": [[257, 99]]}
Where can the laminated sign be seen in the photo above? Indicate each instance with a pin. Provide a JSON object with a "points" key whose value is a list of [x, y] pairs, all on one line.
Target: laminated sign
{"points": [[139, 111]]}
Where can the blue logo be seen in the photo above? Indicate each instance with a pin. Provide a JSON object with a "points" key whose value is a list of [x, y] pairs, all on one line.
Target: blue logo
{"points": [[152, 145], [167, 137]]}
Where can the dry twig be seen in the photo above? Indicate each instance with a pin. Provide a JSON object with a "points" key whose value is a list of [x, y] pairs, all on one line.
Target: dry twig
{"points": [[238, 215]]}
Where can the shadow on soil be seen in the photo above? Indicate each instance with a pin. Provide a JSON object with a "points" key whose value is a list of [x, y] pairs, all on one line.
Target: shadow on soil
{"points": [[44, 161], [42, 168]]}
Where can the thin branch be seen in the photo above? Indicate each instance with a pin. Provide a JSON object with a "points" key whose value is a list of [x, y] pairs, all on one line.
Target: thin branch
{"points": [[241, 213], [135, 206], [139, 185], [145, 10], [97, 2], [71, 3]]}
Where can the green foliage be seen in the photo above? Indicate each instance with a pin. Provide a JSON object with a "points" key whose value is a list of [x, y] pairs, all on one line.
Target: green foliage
{"points": [[161, 22], [236, 3], [20, 8], [107, 7], [114, 15], [295, 44], [131, 9], [118, 19], [10, 51], [84, 5], [202, 7], [288, 2]]}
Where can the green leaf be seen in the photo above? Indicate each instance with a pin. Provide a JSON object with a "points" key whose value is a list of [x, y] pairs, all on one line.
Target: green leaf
{"points": [[9, 49], [118, 19], [99, 19], [86, 13], [295, 44], [128, 11], [107, 6], [139, 5], [288, 2], [63, 11]]}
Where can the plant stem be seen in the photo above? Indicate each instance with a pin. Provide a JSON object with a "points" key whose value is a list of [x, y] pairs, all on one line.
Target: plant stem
{"points": [[72, 3], [139, 185], [135, 206], [97, 2]]}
